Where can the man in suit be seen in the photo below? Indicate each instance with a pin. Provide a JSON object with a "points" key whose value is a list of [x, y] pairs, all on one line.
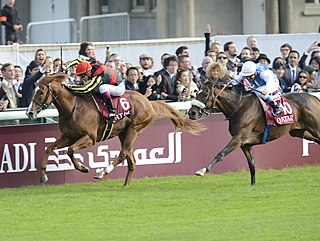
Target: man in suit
{"points": [[292, 70]]}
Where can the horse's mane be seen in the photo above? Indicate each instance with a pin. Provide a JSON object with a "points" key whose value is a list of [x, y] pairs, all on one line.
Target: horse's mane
{"points": [[57, 78]]}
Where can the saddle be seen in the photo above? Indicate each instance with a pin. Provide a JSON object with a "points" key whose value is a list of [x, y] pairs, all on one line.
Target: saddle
{"points": [[285, 118], [120, 103], [123, 109]]}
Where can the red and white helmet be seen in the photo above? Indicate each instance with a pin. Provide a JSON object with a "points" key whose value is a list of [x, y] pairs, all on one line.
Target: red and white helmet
{"points": [[83, 68]]}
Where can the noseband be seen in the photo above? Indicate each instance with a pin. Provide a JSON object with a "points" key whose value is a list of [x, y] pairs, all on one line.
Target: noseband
{"points": [[44, 105]]}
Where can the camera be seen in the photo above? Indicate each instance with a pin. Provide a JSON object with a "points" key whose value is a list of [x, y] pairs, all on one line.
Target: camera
{"points": [[318, 44]]}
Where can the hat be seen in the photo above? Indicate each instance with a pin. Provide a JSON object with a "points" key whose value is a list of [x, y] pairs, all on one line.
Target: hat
{"points": [[248, 68], [83, 67], [263, 56], [145, 56]]}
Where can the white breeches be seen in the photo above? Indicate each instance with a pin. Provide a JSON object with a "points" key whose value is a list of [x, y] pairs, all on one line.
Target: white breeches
{"points": [[115, 90]]}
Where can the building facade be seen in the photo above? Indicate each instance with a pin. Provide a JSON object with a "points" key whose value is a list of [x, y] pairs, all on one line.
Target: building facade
{"points": [[152, 19]]}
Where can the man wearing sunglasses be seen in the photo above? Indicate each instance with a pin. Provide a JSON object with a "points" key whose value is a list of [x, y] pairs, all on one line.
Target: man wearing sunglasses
{"points": [[262, 81]]}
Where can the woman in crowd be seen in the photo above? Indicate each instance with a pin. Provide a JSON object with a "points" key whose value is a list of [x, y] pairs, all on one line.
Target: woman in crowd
{"points": [[278, 69], [186, 88], [300, 84]]}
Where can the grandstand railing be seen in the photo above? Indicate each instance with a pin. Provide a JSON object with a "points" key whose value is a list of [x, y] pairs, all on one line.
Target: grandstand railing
{"points": [[52, 27], [49, 115], [105, 27]]}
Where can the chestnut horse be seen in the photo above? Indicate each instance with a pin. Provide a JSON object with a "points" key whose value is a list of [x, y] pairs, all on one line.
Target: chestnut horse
{"points": [[82, 125], [247, 119]]}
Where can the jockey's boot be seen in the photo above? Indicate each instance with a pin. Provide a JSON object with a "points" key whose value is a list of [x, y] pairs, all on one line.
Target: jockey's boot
{"points": [[276, 110], [108, 103]]}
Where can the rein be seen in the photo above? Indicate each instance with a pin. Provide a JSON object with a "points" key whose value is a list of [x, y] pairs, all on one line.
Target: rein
{"points": [[45, 105]]}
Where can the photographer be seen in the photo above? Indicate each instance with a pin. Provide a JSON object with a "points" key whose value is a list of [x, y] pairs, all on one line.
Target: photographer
{"points": [[11, 20]]}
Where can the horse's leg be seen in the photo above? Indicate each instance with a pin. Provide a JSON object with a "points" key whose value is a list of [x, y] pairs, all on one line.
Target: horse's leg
{"points": [[306, 135], [232, 145], [83, 142], [60, 143], [131, 165], [247, 152], [127, 139]]}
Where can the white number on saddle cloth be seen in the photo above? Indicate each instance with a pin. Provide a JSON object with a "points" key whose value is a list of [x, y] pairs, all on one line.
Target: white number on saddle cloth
{"points": [[124, 103], [287, 109]]}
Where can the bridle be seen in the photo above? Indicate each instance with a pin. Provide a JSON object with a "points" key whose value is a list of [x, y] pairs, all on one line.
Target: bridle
{"points": [[211, 96], [45, 104]]}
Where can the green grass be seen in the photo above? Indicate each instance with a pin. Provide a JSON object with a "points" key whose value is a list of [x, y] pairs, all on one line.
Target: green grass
{"points": [[284, 205]]}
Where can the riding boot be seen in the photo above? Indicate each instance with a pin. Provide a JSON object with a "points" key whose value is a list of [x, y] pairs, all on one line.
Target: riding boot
{"points": [[108, 103], [276, 110]]}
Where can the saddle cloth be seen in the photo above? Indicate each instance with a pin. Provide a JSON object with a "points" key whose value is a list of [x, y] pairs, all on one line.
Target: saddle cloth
{"points": [[285, 118], [120, 103]]}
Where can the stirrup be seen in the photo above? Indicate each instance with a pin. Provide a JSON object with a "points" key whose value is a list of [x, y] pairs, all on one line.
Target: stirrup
{"points": [[112, 113], [277, 111]]}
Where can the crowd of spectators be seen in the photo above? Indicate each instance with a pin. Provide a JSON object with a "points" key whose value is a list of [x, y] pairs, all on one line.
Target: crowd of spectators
{"points": [[178, 79]]}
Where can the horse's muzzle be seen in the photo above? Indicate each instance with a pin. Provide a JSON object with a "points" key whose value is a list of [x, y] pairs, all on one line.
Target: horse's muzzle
{"points": [[194, 113]]}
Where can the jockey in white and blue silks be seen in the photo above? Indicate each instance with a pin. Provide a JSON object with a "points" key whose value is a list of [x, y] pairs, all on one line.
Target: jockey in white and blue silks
{"points": [[262, 81]]}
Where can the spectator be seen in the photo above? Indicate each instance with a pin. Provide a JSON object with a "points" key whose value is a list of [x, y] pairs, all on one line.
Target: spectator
{"points": [[182, 50], [118, 64], [215, 45], [146, 62], [0, 70], [18, 81], [214, 72], [202, 70], [28, 85], [231, 49], [168, 79], [312, 84], [185, 87], [131, 82], [222, 59], [315, 63], [86, 53], [185, 63], [263, 59], [292, 70], [49, 65], [278, 69], [108, 54], [4, 100], [58, 65], [246, 54], [7, 84], [163, 57], [279, 60], [285, 50], [11, 20], [39, 55], [300, 84], [255, 53], [212, 54], [252, 42], [150, 88], [302, 61]]}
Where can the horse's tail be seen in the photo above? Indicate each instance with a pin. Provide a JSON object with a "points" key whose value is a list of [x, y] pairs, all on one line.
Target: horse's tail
{"points": [[163, 110]]}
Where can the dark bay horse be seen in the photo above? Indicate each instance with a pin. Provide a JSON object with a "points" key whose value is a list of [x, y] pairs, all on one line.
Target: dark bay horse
{"points": [[247, 120], [82, 125]]}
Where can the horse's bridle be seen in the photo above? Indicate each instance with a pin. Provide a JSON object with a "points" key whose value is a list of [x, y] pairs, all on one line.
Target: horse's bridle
{"points": [[214, 98], [44, 105]]}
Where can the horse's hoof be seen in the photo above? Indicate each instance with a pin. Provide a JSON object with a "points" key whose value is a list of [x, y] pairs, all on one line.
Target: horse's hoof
{"points": [[99, 173], [84, 169], [43, 178], [201, 172]]}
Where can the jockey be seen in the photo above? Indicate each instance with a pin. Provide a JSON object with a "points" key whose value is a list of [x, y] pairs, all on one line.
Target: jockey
{"points": [[98, 76], [262, 81]]}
